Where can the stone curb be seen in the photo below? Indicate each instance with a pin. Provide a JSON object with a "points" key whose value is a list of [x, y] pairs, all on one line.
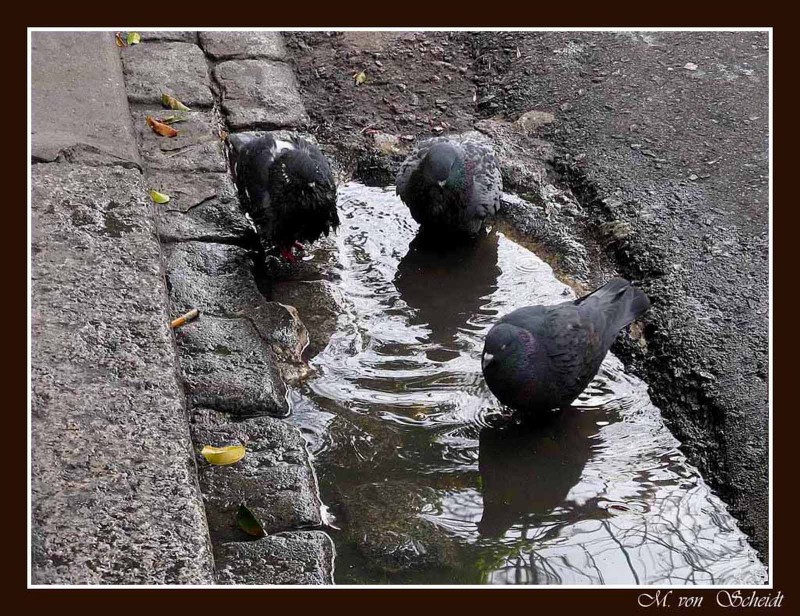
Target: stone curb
{"points": [[114, 491], [236, 357]]}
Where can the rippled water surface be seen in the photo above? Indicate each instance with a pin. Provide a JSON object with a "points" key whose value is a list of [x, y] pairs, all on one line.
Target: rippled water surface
{"points": [[429, 485]]}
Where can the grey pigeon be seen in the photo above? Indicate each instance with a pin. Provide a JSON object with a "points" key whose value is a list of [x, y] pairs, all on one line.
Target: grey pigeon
{"points": [[539, 358], [451, 185], [288, 189]]}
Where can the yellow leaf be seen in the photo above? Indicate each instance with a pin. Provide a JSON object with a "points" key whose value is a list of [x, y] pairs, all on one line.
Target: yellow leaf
{"points": [[134, 38], [159, 197], [118, 38], [360, 78], [248, 522], [222, 456], [173, 103]]}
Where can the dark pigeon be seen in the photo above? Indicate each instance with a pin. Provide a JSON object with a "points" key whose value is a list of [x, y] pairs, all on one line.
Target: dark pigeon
{"points": [[287, 188], [451, 185], [539, 358]]}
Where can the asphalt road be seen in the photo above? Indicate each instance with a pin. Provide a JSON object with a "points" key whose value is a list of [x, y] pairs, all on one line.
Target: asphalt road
{"points": [[667, 133], [663, 137]]}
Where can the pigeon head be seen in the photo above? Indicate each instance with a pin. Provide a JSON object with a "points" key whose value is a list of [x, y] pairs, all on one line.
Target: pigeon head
{"points": [[513, 364], [504, 343], [443, 165]]}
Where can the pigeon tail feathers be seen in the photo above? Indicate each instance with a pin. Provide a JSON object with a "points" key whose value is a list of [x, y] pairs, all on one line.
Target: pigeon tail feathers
{"points": [[630, 302]]}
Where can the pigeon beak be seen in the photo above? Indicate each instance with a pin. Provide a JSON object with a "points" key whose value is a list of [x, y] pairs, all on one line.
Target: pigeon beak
{"points": [[442, 183], [486, 359]]}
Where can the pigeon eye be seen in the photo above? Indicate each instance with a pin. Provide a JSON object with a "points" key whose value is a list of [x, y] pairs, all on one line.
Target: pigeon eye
{"points": [[503, 348]]}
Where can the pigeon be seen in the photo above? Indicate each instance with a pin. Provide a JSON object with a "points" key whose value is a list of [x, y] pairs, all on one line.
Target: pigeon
{"points": [[540, 358], [451, 185], [287, 188]]}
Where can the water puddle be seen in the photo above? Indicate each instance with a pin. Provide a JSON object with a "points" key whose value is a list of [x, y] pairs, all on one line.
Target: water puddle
{"points": [[429, 486]]}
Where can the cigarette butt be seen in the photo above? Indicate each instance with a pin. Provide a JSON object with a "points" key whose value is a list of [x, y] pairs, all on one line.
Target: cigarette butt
{"points": [[185, 318]]}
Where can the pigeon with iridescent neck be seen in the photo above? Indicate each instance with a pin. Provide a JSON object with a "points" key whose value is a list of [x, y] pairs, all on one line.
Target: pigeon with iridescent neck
{"points": [[451, 185], [540, 358]]}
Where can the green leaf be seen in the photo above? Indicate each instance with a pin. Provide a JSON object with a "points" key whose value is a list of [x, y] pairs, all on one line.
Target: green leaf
{"points": [[248, 523], [172, 119], [134, 38], [159, 197], [173, 103], [360, 78]]}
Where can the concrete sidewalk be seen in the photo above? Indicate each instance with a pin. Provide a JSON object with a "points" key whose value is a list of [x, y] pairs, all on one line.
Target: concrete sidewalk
{"points": [[115, 497]]}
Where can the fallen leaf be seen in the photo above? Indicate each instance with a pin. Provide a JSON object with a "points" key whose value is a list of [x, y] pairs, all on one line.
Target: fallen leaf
{"points": [[134, 38], [172, 119], [161, 128], [173, 103], [159, 197], [222, 456], [118, 38], [360, 78], [248, 523], [690, 66]]}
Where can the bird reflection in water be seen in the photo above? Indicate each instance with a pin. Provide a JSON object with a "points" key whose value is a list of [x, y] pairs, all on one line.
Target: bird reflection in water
{"points": [[447, 283], [528, 469]]}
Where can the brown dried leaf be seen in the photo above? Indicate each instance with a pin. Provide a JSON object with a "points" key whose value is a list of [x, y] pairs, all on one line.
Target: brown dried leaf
{"points": [[161, 128]]}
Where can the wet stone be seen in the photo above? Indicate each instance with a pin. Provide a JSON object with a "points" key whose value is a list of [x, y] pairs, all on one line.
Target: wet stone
{"points": [[302, 557], [114, 494], [385, 524], [175, 68], [523, 159], [549, 225], [274, 479], [217, 279], [197, 146], [259, 94], [318, 304], [227, 366], [65, 70], [202, 207], [531, 121], [162, 36], [388, 144], [231, 45]]}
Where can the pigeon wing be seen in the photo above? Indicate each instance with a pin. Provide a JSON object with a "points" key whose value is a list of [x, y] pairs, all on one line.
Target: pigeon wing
{"points": [[487, 182], [574, 343], [410, 165]]}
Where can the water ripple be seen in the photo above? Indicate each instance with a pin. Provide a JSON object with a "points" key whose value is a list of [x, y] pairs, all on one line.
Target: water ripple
{"points": [[429, 481]]}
